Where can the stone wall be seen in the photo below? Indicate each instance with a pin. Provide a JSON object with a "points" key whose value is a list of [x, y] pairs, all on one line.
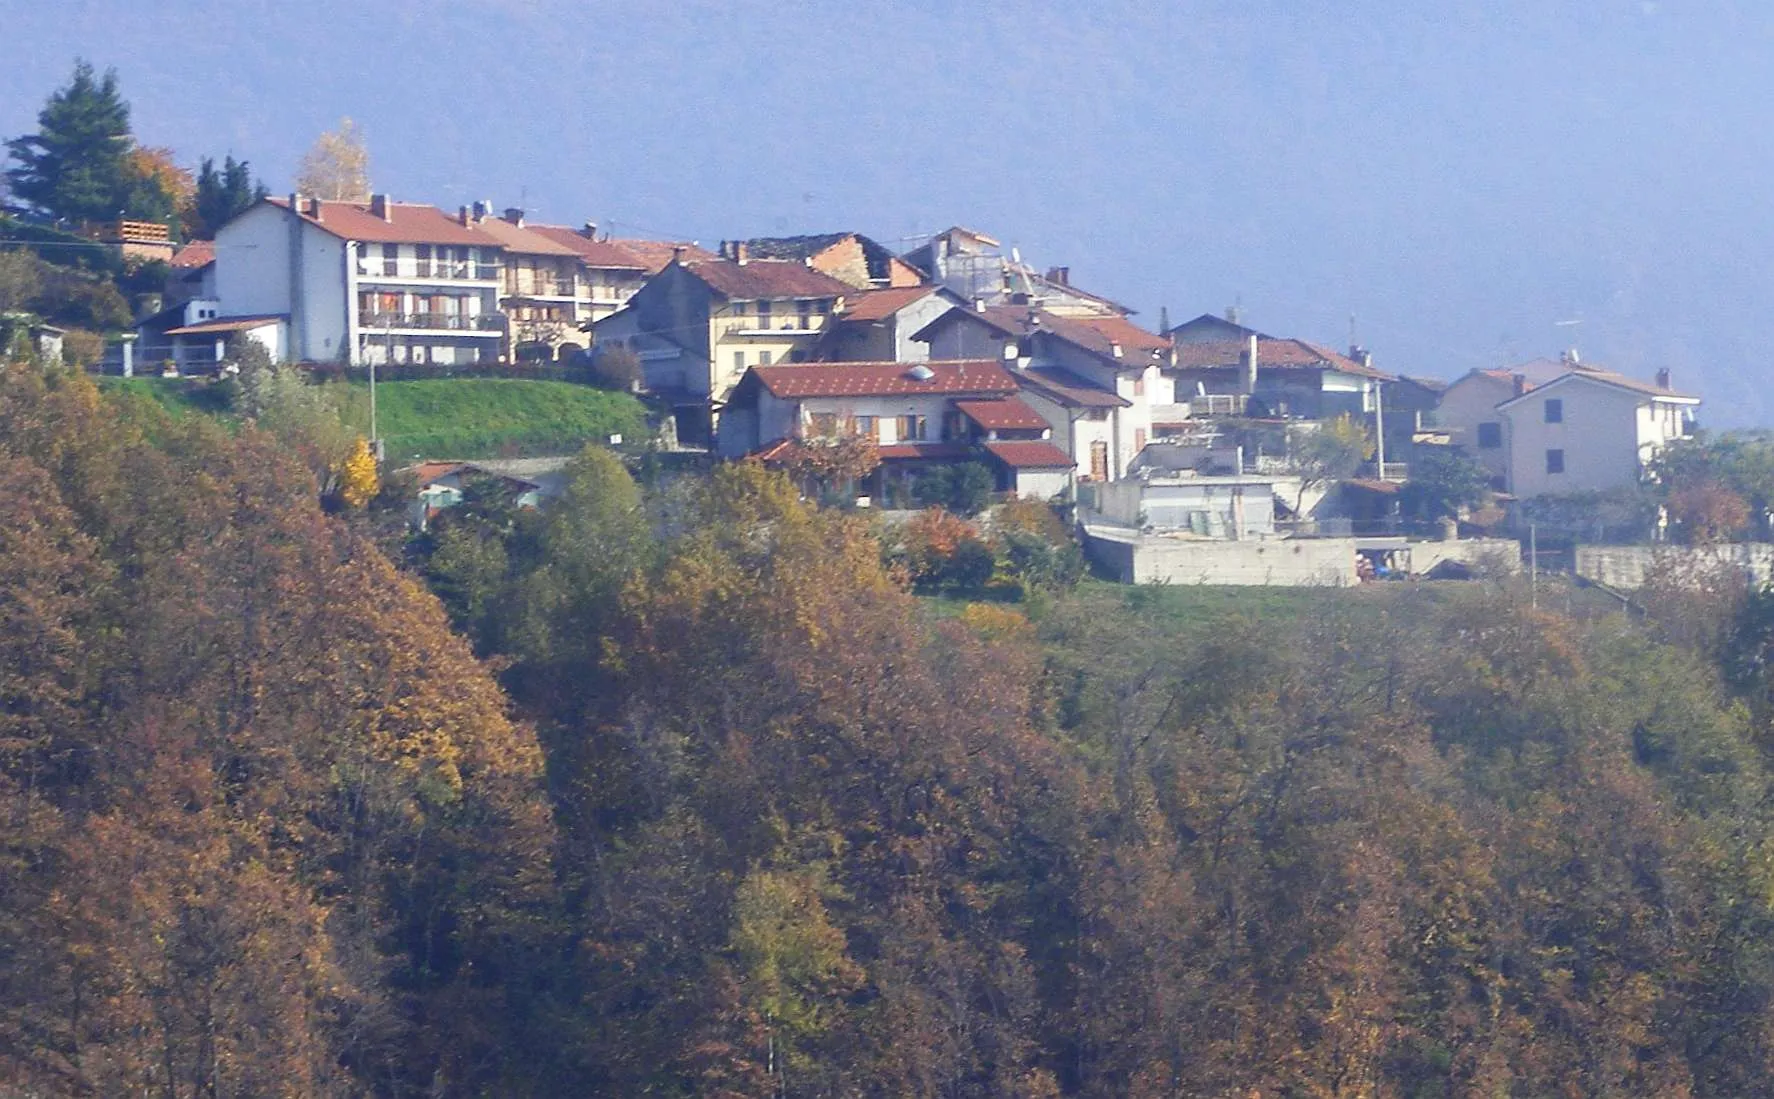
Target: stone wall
{"points": [[1145, 559], [1625, 566]]}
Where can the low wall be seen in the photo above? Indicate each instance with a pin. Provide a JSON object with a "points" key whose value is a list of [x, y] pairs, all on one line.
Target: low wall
{"points": [[1302, 562], [1498, 553], [1625, 566]]}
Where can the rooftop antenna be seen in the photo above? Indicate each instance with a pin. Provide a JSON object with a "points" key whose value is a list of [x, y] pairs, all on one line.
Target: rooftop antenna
{"points": [[1353, 342]]}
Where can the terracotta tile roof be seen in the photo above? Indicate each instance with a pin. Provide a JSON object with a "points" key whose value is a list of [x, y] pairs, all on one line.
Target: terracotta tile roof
{"points": [[427, 472], [879, 379], [1608, 377], [947, 452], [1011, 321], [597, 253], [198, 253], [767, 278], [1068, 388], [523, 240], [655, 255], [1007, 414], [1029, 454], [1272, 354], [875, 305], [407, 223], [1101, 335], [226, 324]]}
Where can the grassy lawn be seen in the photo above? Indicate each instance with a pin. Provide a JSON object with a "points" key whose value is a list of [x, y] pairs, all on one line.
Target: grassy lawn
{"points": [[493, 417], [449, 417]]}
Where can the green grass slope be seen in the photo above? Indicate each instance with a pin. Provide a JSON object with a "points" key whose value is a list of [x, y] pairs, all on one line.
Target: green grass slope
{"points": [[448, 417], [493, 417]]}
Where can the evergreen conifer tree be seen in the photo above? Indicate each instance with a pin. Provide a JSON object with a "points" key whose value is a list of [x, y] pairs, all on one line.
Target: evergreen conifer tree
{"points": [[76, 167]]}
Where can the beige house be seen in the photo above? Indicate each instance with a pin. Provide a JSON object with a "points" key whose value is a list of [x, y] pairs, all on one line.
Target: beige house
{"points": [[1467, 411], [610, 273], [1590, 430], [545, 298], [698, 326]]}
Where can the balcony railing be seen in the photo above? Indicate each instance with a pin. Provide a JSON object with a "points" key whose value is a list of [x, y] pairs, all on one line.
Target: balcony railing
{"points": [[448, 322], [434, 270], [1218, 404]]}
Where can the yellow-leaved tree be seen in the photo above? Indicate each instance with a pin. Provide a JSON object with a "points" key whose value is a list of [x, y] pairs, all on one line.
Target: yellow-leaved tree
{"points": [[358, 483], [336, 166]]}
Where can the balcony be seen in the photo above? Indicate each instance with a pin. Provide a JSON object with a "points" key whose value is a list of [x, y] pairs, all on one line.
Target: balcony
{"points": [[482, 324], [376, 270]]}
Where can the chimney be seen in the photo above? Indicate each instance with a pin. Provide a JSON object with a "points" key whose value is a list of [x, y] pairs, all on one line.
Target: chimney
{"points": [[1247, 367], [315, 207], [462, 214], [979, 305], [483, 208], [741, 254], [515, 216], [1570, 358], [589, 231], [677, 253], [1663, 378], [1520, 382], [1232, 314], [1059, 276], [379, 207]]}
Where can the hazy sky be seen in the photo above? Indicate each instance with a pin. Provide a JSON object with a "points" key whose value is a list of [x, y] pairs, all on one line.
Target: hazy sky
{"points": [[1464, 179]]}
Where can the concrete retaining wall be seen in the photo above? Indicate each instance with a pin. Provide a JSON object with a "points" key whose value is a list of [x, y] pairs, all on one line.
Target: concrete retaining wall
{"points": [[1625, 566], [1290, 562], [1134, 559]]}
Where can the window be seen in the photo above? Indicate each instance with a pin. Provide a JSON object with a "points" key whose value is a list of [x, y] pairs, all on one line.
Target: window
{"points": [[1139, 385], [869, 427], [763, 358], [913, 427], [1139, 439], [1555, 461], [763, 314], [738, 362], [1555, 410], [805, 308], [488, 268], [954, 425], [1099, 461], [1490, 435], [391, 259], [423, 252]]}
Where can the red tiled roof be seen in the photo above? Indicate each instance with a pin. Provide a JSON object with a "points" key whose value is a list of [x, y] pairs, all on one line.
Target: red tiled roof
{"points": [[1006, 414], [947, 452], [875, 305], [1272, 353], [225, 324], [969, 376], [596, 253], [656, 254], [198, 253], [523, 240], [1068, 388], [1102, 335], [767, 278], [1029, 454], [407, 223], [427, 472]]}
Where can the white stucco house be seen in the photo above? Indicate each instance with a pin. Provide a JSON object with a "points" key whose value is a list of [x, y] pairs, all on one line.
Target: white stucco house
{"points": [[363, 282], [918, 414], [1589, 430]]}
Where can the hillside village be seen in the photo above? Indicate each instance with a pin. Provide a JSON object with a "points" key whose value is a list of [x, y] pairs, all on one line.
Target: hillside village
{"points": [[1194, 452]]}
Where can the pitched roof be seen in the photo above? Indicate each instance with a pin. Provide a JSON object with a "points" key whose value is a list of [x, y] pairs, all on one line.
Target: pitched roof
{"points": [[766, 278], [198, 253], [1068, 388], [883, 379], [227, 324], [1006, 414], [593, 252], [1208, 328], [1006, 320], [656, 255], [1607, 378], [1029, 454], [876, 305], [407, 223], [521, 239], [795, 248], [1281, 354], [949, 452], [1101, 336]]}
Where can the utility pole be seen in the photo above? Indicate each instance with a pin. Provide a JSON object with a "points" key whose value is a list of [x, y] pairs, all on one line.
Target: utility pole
{"points": [[1533, 566]]}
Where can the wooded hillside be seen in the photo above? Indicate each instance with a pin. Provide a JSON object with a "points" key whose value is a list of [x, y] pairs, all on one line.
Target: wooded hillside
{"points": [[742, 817]]}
